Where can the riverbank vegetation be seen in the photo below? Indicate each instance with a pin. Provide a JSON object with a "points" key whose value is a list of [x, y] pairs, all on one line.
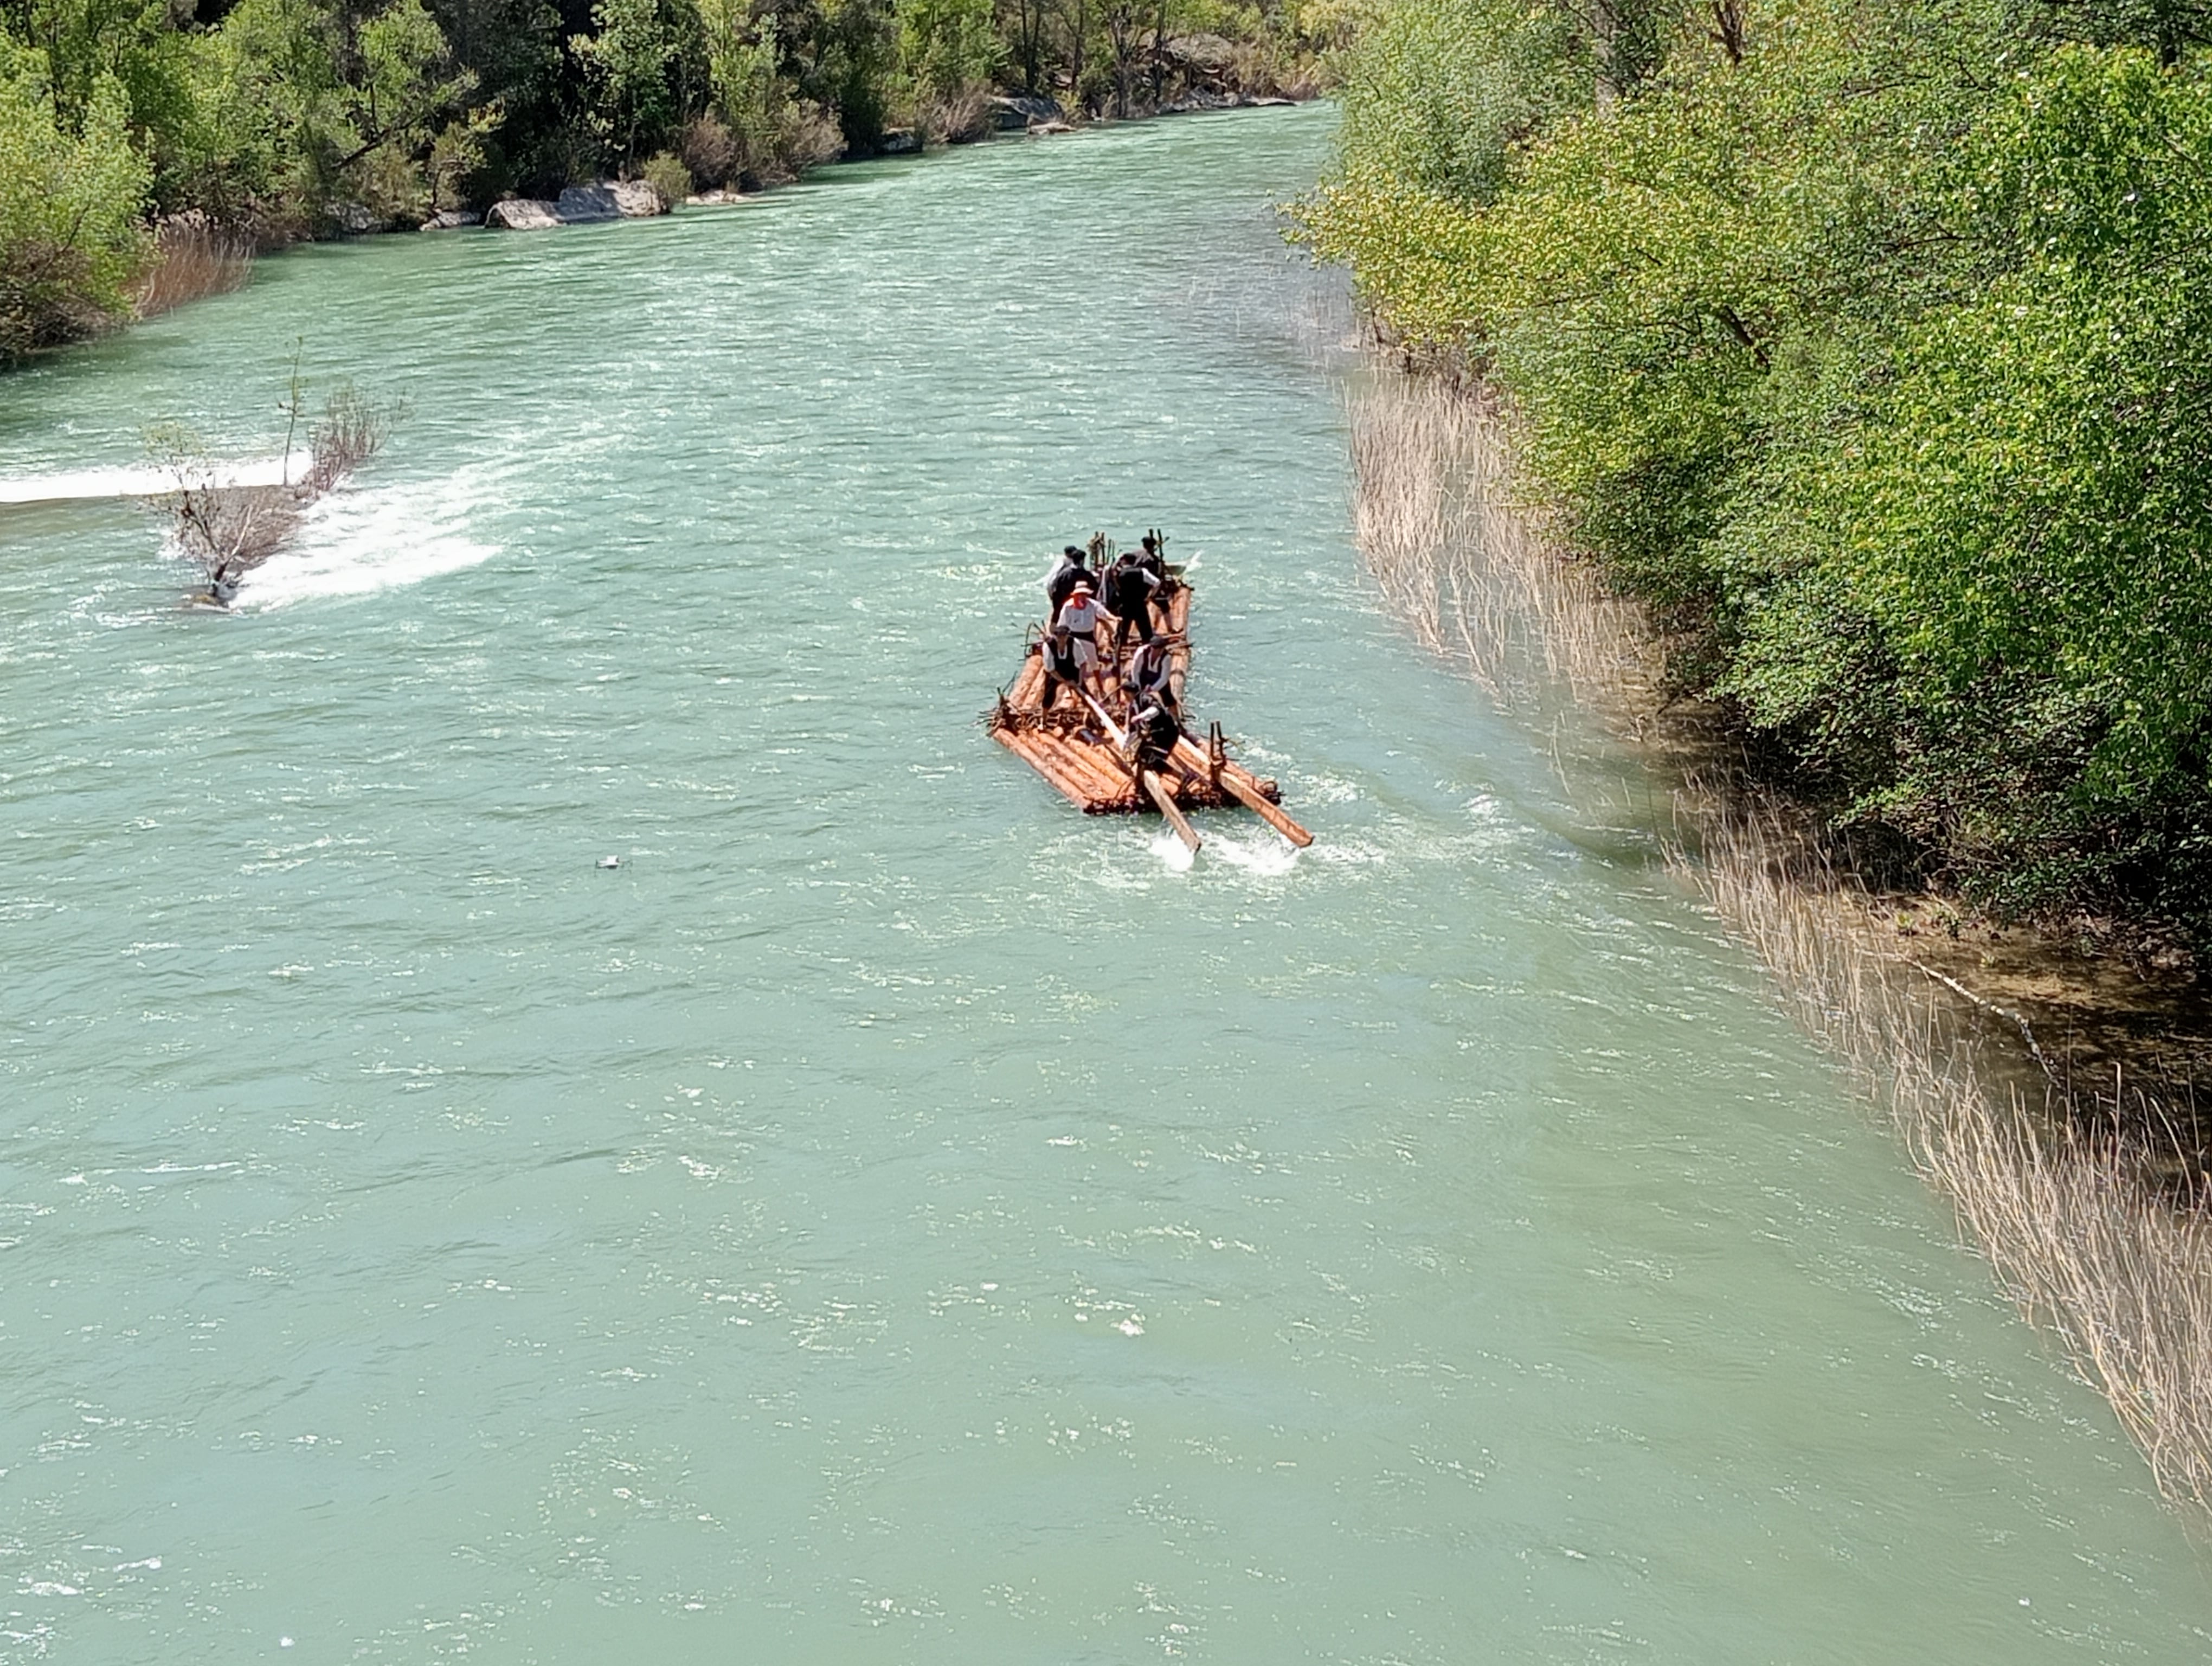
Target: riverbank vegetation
{"points": [[271, 120], [1864, 344], [2087, 1191]]}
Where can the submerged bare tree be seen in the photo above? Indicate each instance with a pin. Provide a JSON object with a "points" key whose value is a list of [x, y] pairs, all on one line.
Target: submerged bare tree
{"points": [[228, 530], [351, 430]]}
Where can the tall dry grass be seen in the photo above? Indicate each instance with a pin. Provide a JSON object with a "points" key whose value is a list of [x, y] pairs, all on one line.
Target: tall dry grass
{"points": [[2073, 1203], [2074, 1207], [193, 258], [960, 117], [1463, 562]]}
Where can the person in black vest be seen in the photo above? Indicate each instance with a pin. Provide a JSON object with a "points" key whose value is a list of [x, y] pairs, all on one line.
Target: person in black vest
{"points": [[1153, 731], [1060, 583], [1129, 590], [1152, 560], [1057, 652], [1149, 675]]}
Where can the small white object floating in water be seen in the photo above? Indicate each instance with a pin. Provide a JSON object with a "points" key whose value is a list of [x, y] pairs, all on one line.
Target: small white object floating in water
{"points": [[609, 862]]}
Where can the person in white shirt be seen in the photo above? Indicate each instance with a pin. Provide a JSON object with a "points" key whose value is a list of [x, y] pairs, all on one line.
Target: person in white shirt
{"points": [[1150, 674], [1080, 617]]}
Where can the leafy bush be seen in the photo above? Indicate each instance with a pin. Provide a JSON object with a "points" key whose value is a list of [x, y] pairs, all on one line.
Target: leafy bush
{"points": [[71, 244], [668, 176], [775, 137], [948, 52], [2017, 510]]}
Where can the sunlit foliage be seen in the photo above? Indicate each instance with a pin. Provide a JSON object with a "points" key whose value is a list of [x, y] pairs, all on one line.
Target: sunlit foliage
{"points": [[70, 246], [1868, 343]]}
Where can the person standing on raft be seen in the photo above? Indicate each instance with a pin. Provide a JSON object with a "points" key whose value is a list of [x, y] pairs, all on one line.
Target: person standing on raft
{"points": [[1129, 591], [1056, 660], [1150, 675], [1078, 621], [1060, 583], [1155, 557]]}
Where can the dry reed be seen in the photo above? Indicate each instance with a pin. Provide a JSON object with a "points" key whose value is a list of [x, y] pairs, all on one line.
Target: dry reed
{"points": [[2071, 1203], [231, 530], [193, 258], [1464, 563], [960, 117], [351, 431]]}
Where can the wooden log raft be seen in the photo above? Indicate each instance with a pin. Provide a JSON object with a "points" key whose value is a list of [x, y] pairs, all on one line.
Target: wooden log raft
{"points": [[1073, 751]]}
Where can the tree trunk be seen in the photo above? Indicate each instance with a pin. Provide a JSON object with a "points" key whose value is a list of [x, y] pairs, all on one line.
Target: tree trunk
{"points": [[1082, 33], [1160, 53], [1603, 29]]}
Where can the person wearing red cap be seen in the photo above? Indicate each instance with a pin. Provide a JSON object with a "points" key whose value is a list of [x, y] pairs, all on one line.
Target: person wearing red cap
{"points": [[1078, 619]]}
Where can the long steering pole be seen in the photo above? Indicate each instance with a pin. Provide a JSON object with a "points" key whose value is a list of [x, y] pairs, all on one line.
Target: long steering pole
{"points": [[1151, 782]]}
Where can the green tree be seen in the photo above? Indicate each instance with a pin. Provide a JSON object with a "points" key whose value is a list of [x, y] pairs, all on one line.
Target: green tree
{"points": [[629, 63], [71, 245], [948, 48], [2012, 515]]}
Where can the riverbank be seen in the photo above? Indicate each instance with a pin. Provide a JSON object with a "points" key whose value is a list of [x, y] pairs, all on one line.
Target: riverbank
{"points": [[1874, 377], [273, 125], [2049, 1086], [192, 258]]}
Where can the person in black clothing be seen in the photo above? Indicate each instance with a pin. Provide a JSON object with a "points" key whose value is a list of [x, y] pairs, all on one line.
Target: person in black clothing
{"points": [[1058, 652], [1153, 731], [1129, 590], [1059, 583], [1150, 674]]}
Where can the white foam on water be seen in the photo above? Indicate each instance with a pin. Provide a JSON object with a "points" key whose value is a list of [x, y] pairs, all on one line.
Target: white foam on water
{"points": [[1264, 859], [146, 480], [359, 541], [1174, 855]]}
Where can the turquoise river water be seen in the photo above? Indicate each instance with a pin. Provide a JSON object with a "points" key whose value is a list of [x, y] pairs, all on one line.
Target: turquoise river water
{"points": [[890, 1218]]}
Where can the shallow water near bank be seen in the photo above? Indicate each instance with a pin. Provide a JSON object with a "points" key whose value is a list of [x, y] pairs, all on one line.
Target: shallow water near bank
{"points": [[890, 1217]]}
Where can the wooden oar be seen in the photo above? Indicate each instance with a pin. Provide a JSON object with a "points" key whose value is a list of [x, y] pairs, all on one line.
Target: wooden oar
{"points": [[1184, 830], [1270, 813], [1151, 782], [1238, 783]]}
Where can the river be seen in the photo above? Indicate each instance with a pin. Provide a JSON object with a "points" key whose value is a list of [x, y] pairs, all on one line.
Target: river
{"points": [[890, 1217]]}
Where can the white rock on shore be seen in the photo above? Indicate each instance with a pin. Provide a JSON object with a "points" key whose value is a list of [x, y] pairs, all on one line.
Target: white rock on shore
{"points": [[579, 205], [609, 199], [522, 214]]}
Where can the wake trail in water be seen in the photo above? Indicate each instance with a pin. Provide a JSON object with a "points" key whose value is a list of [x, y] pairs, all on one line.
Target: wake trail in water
{"points": [[361, 541], [1174, 855], [1263, 858]]}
